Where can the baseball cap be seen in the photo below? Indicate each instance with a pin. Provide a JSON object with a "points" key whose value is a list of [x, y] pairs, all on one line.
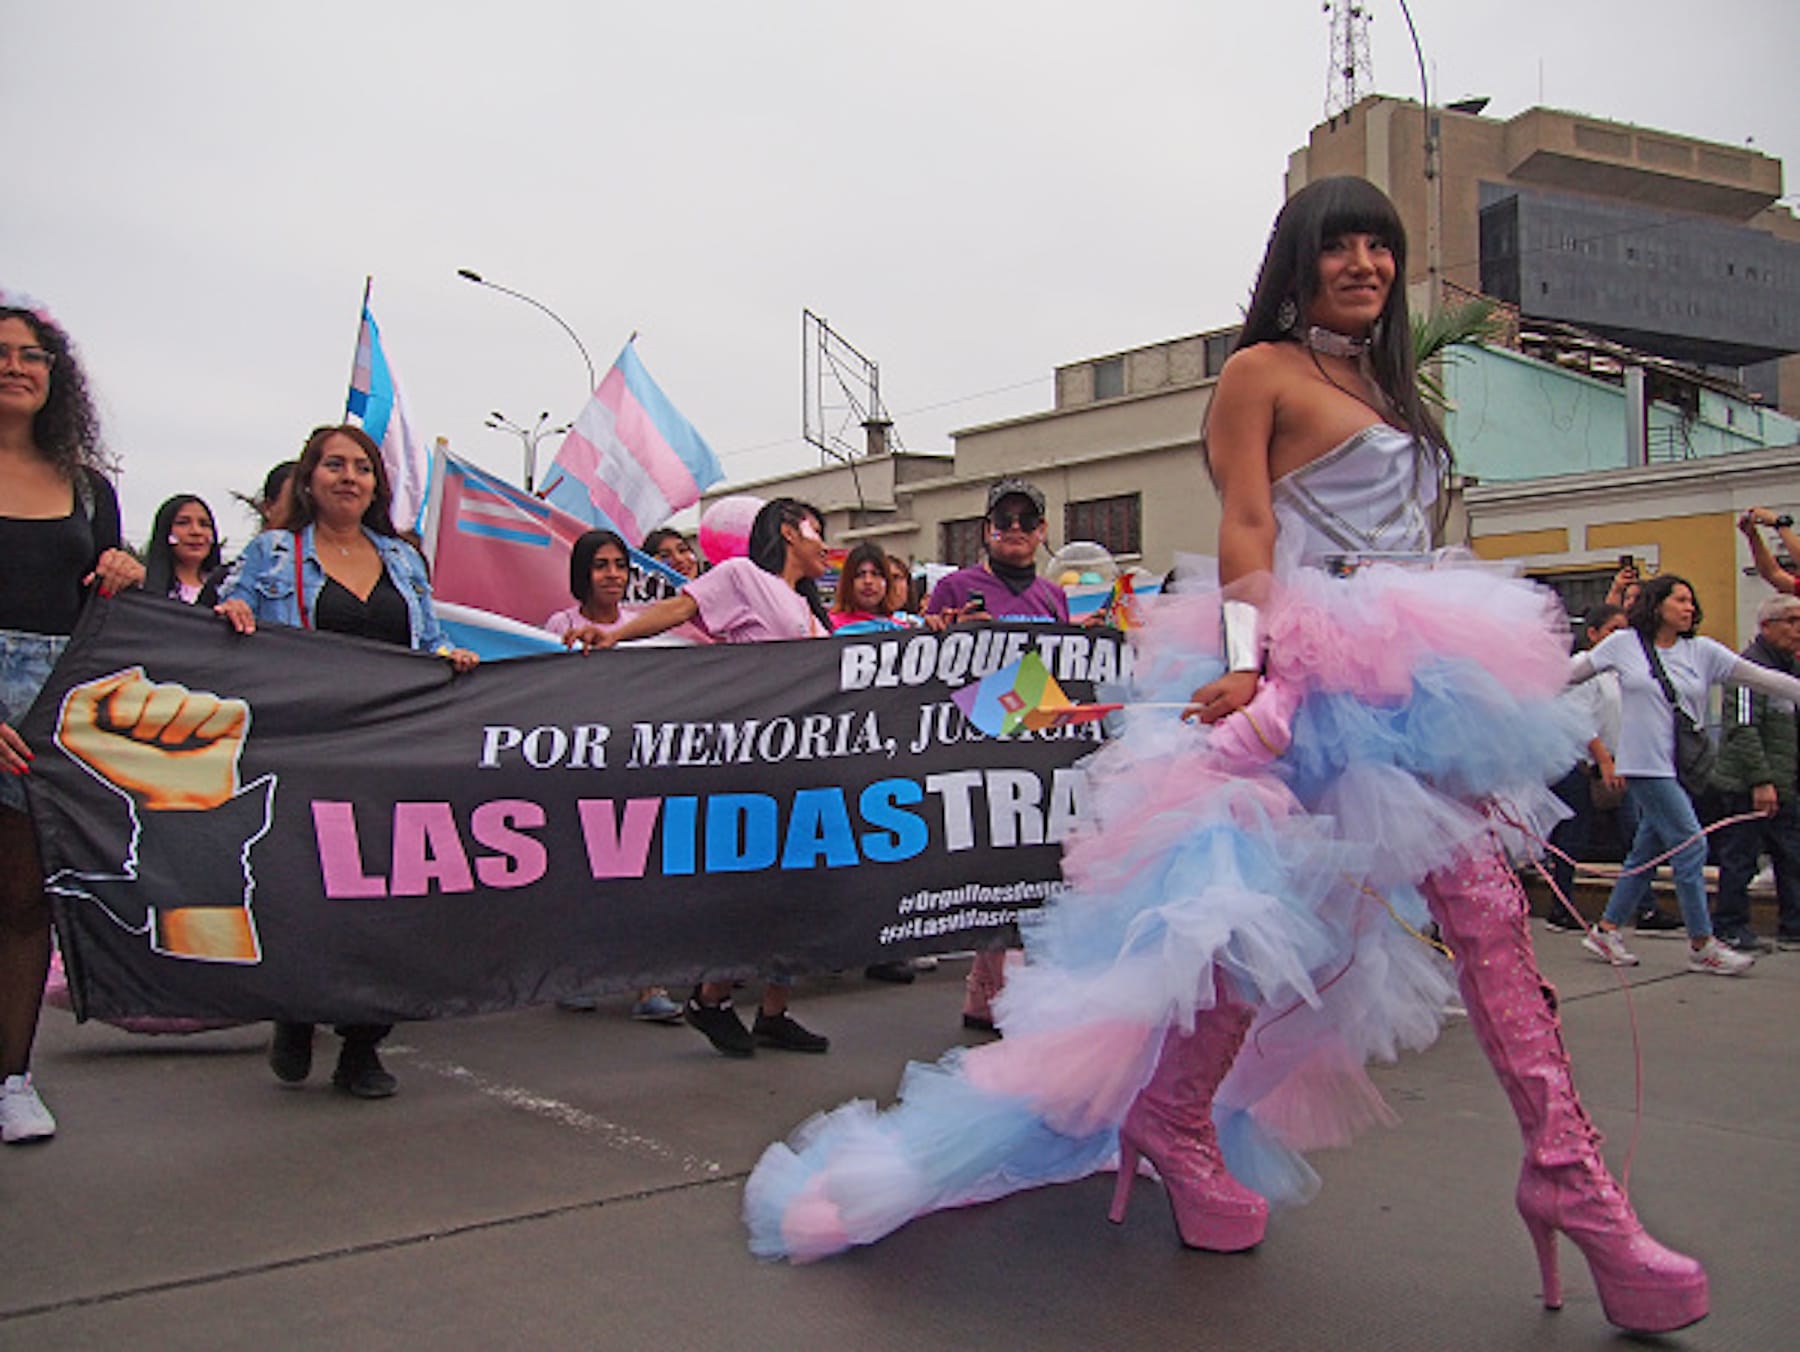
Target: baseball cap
{"points": [[1010, 488]]}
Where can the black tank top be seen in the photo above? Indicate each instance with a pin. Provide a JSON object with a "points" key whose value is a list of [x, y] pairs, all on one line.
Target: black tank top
{"points": [[382, 617]]}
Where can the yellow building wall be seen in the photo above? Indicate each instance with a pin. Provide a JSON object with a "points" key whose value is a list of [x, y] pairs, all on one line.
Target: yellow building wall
{"points": [[1515, 543], [1700, 548]]}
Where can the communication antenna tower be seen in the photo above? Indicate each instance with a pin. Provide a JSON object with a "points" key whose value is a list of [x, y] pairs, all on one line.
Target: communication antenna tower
{"points": [[841, 396], [1350, 75]]}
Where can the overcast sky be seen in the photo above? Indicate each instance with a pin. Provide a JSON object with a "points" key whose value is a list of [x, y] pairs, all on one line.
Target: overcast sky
{"points": [[970, 192]]}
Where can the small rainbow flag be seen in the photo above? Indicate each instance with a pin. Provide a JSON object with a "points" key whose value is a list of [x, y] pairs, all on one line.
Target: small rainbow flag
{"points": [[1024, 695]]}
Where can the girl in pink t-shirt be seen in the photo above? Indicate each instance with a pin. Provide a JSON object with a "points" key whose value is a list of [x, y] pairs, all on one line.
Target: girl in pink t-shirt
{"points": [[772, 594], [599, 571]]}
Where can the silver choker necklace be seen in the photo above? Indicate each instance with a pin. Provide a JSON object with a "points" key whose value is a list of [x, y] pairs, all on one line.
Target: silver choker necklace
{"points": [[1334, 344]]}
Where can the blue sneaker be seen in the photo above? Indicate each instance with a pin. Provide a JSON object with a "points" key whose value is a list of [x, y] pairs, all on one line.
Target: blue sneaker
{"points": [[656, 1007]]}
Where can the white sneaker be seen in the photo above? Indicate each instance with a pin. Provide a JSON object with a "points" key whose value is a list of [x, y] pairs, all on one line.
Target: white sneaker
{"points": [[1606, 946], [1715, 959], [23, 1116]]}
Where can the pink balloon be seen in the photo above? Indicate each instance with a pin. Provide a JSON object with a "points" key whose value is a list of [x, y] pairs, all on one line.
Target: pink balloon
{"points": [[725, 527]]}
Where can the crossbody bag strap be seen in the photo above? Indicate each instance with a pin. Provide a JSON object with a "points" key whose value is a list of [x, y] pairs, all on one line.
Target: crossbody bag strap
{"points": [[300, 586], [1662, 677]]}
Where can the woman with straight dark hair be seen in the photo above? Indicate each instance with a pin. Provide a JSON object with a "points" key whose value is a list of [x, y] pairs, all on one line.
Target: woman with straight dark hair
{"points": [[1242, 928], [333, 561], [59, 537], [770, 595], [1661, 646], [181, 559]]}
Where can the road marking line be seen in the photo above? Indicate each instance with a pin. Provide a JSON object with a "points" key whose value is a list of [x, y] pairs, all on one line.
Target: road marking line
{"points": [[616, 1135]]}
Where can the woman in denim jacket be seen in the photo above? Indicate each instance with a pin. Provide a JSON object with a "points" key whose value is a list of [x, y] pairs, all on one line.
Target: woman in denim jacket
{"points": [[334, 562]]}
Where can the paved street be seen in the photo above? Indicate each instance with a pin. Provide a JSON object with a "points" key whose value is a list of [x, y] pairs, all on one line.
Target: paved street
{"points": [[565, 1180]]}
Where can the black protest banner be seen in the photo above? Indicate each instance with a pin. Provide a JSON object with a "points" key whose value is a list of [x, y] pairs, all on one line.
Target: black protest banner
{"points": [[301, 826]]}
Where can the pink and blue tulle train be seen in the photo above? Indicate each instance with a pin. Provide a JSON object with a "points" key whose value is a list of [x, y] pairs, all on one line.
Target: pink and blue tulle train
{"points": [[1274, 861]]}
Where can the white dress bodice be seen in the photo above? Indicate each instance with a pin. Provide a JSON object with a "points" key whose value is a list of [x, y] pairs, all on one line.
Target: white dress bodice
{"points": [[1371, 495]]}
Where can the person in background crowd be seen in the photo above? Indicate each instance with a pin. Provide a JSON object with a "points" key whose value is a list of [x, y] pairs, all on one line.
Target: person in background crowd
{"points": [[1756, 773], [900, 597], [672, 547], [864, 590], [1597, 702], [181, 559], [1752, 523], [1005, 586], [772, 594], [59, 535], [599, 572], [355, 576], [1662, 622]]}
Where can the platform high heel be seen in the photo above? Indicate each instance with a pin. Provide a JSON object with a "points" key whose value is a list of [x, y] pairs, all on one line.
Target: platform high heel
{"points": [[1170, 1124], [1564, 1185]]}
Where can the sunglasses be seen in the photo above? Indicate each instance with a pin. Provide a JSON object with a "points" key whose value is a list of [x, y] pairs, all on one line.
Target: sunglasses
{"points": [[1026, 521]]}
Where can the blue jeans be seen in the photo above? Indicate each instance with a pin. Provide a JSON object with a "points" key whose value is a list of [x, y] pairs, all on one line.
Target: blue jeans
{"points": [[1666, 817]]}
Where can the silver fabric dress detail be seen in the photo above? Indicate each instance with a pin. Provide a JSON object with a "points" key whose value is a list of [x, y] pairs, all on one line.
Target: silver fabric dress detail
{"points": [[1369, 496]]}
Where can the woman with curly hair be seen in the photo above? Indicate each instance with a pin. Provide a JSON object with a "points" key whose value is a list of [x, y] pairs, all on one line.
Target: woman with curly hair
{"points": [[1659, 655], [59, 535]]}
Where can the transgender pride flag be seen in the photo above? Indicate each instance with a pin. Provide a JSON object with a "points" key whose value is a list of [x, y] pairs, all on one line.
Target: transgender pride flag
{"points": [[631, 461], [376, 405]]}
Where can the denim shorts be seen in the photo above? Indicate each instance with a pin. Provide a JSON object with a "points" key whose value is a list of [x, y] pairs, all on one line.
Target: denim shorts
{"points": [[25, 662]]}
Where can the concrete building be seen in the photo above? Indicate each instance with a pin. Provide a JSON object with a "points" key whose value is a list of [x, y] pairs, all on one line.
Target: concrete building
{"points": [[1539, 421], [1667, 243]]}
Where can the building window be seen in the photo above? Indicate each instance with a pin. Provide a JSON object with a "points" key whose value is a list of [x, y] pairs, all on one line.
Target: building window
{"points": [[961, 541], [1580, 591], [1116, 523], [1218, 348], [1109, 378]]}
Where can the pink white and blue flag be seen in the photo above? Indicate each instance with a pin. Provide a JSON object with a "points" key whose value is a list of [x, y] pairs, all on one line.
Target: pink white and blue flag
{"points": [[500, 561], [631, 461], [376, 405]]}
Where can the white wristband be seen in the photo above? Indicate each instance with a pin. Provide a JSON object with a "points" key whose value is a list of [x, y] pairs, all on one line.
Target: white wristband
{"points": [[1243, 644]]}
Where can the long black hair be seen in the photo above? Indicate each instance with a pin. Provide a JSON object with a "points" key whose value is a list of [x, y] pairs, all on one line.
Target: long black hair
{"points": [[768, 550], [581, 560], [159, 554], [1289, 278], [1645, 614], [66, 430]]}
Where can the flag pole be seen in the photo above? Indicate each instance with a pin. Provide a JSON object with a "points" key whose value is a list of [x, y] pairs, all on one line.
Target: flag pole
{"points": [[368, 285]]}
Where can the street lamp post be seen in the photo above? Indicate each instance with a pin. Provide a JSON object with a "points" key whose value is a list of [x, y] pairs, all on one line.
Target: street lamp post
{"points": [[1434, 178], [529, 437], [468, 274]]}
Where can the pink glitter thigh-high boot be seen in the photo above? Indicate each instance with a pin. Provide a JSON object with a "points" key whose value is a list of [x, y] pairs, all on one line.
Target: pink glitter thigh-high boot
{"points": [[1563, 1183], [1170, 1123]]}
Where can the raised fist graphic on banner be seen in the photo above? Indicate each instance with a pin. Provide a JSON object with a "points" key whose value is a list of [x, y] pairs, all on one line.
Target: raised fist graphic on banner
{"points": [[172, 753]]}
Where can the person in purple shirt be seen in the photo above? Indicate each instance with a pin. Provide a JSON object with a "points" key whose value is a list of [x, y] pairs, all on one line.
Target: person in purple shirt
{"points": [[1004, 586], [1006, 580]]}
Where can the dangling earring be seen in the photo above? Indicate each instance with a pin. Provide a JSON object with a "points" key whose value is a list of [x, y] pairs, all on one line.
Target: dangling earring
{"points": [[1287, 315]]}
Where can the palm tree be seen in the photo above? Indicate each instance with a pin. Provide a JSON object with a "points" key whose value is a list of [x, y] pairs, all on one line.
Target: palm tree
{"points": [[1436, 335]]}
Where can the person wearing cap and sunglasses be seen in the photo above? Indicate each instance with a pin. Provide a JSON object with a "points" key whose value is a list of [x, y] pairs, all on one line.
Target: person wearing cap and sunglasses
{"points": [[1004, 586]]}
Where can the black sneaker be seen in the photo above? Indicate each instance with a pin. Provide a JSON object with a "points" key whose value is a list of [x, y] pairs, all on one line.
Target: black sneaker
{"points": [[778, 1030], [1654, 921], [1746, 941], [360, 1074], [1559, 919], [290, 1054], [720, 1025], [900, 973], [1787, 943]]}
